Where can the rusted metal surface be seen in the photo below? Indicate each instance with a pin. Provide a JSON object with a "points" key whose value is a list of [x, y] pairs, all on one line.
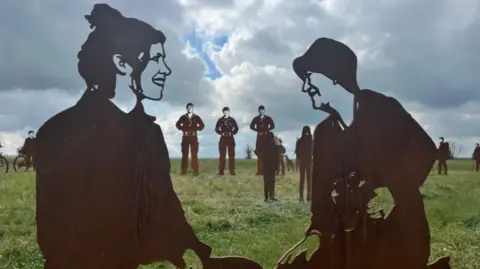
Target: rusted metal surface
{"points": [[383, 147], [105, 198]]}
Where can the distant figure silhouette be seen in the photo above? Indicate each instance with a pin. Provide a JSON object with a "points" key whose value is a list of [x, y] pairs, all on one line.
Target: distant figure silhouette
{"points": [[29, 148], [443, 154], [190, 124], [304, 151], [290, 166], [269, 151], [281, 152], [262, 124], [226, 127], [476, 156]]}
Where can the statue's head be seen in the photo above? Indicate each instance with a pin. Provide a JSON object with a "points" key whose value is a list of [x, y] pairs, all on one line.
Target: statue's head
{"points": [[330, 58], [189, 107], [226, 112], [441, 139], [31, 134], [261, 110], [116, 44], [306, 131]]}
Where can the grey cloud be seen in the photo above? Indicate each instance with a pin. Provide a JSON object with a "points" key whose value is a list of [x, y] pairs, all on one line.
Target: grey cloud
{"points": [[430, 62], [20, 109]]}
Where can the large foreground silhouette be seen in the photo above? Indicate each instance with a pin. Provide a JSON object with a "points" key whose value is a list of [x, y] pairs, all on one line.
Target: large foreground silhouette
{"points": [[383, 147], [105, 199]]}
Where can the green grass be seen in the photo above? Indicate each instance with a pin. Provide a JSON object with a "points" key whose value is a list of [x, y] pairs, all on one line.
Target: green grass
{"points": [[229, 214]]}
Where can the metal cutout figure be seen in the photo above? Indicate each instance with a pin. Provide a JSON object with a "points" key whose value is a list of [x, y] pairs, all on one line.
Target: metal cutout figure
{"points": [[261, 124], [226, 127], [383, 147], [104, 195], [290, 165], [443, 155], [281, 152], [269, 152], [26, 157], [190, 124], [304, 150], [476, 157]]}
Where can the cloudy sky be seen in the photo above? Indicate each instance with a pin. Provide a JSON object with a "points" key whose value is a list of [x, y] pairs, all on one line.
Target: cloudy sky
{"points": [[238, 53]]}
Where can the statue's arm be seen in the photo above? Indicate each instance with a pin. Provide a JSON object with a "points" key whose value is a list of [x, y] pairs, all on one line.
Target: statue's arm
{"points": [[217, 127], [253, 125], [179, 124], [200, 125], [271, 126], [235, 126]]}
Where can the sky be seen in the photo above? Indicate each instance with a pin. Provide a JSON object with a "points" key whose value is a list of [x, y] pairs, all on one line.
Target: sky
{"points": [[239, 53]]}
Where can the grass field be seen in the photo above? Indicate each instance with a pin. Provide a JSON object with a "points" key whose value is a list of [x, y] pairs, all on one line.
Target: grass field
{"points": [[229, 214]]}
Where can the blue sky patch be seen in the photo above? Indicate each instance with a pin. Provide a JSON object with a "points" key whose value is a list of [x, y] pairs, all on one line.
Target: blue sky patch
{"points": [[197, 43]]}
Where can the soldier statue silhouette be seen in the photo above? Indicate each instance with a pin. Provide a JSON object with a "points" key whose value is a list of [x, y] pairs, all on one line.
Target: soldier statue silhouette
{"points": [[226, 127], [261, 124], [190, 124]]}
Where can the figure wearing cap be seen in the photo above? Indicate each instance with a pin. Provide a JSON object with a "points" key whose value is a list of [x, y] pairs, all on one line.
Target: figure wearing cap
{"points": [[189, 124], [262, 124], [29, 147], [226, 127], [476, 156], [443, 153]]}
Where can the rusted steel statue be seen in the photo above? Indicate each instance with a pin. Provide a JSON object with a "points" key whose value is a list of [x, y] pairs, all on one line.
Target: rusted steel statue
{"points": [[29, 149], [303, 149], [443, 154], [262, 124], [383, 147], [297, 161], [226, 127], [269, 151], [476, 156], [104, 197], [281, 153], [190, 124]]}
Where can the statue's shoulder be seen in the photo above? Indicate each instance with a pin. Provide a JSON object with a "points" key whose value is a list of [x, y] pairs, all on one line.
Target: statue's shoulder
{"points": [[88, 111]]}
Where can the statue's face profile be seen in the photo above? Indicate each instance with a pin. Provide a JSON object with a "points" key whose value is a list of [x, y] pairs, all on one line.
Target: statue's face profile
{"points": [[156, 70], [190, 109], [261, 112], [137, 50], [31, 134], [226, 113]]}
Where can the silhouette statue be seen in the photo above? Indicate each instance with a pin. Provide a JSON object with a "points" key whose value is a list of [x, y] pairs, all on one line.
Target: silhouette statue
{"points": [[269, 151], [226, 127], [383, 147], [281, 152], [189, 124], [29, 150], [443, 154], [476, 156], [303, 149], [262, 124], [104, 193], [290, 165]]}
